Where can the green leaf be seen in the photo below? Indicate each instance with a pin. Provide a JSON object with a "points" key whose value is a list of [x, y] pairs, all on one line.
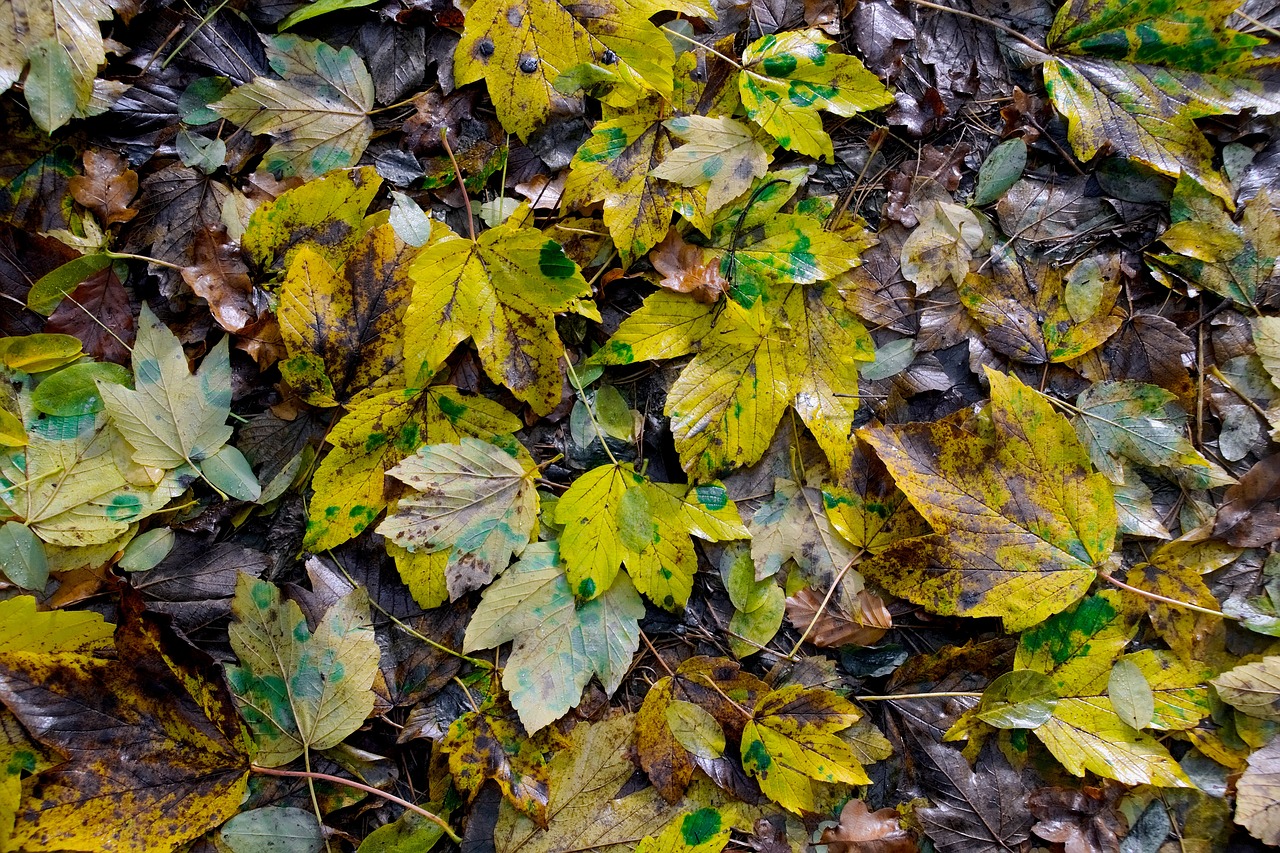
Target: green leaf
{"points": [[73, 390], [146, 551], [520, 47], [475, 501], [1144, 424], [1132, 77], [273, 829], [22, 557], [40, 352], [299, 690], [372, 438], [613, 516], [703, 831], [788, 77], [1022, 699], [318, 112], [173, 418], [229, 472], [1001, 170], [1020, 523], [695, 729], [320, 7], [559, 643], [1130, 694], [65, 48], [752, 630], [502, 291], [47, 293], [791, 740], [409, 833]]}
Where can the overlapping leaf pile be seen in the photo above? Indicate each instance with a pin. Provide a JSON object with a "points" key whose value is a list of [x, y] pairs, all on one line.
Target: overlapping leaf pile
{"points": [[659, 426]]}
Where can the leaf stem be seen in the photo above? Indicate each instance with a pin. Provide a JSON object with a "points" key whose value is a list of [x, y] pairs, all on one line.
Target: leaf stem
{"points": [[693, 41], [964, 694], [1155, 596], [1231, 386], [312, 775], [127, 256], [462, 185], [661, 662], [311, 788], [1009, 31]]}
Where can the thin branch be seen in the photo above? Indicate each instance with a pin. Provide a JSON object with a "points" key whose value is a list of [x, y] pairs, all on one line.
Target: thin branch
{"points": [[943, 695], [1154, 596], [1009, 31], [360, 786]]}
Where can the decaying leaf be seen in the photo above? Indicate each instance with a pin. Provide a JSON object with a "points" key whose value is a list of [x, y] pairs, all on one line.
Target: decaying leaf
{"points": [[489, 744], [974, 810], [106, 187], [864, 831]]}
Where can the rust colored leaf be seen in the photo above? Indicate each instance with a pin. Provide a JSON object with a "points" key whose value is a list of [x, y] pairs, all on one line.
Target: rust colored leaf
{"points": [[864, 831], [220, 277], [106, 187], [99, 314], [1084, 821], [690, 269], [859, 620], [1249, 517]]}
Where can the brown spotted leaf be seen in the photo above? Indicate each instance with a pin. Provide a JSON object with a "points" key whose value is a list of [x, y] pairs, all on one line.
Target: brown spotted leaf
{"points": [[155, 751], [106, 187], [491, 744]]}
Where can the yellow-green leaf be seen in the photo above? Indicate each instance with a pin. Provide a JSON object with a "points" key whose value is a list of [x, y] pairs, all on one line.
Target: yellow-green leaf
{"points": [[1253, 688], [67, 37], [718, 152], [703, 831], [324, 215]]}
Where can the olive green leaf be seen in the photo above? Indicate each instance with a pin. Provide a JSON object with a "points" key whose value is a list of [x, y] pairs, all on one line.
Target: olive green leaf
{"points": [[473, 500], [788, 77], [342, 327], [1132, 77], [520, 47], [318, 112], [372, 438], [613, 516], [1020, 522], [63, 44], [559, 643], [791, 740], [794, 525], [300, 690], [501, 290]]}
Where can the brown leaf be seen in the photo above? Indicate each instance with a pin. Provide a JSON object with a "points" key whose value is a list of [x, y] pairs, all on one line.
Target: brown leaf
{"points": [[106, 187], [220, 277], [863, 831], [98, 313], [688, 269], [1082, 821], [24, 258], [976, 810], [859, 620], [1149, 348], [1249, 517]]}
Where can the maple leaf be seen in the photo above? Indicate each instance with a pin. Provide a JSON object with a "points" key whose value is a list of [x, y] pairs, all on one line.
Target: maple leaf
{"points": [[703, 831], [475, 501], [318, 113], [62, 44], [324, 215], [719, 152], [342, 327], [794, 525], [300, 690], [559, 642], [1210, 249], [620, 163], [787, 78], [791, 739], [502, 291], [521, 47], [973, 811], [1020, 523], [155, 753], [106, 187], [614, 516], [489, 744], [1134, 77], [940, 247], [374, 436], [867, 509], [1077, 649], [717, 686], [864, 831]]}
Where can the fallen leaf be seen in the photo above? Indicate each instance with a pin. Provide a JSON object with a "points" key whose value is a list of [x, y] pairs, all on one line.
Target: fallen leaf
{"points": [[719, 152], [974, 811], [489, 744], [847, 619], [1248, 516], [686, 268], [864, 831], [64, 48], [220, 277], [1258, 792], [1082, 821], [106, 187]]}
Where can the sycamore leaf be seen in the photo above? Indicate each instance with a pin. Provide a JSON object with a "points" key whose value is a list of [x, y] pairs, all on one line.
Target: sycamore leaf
{"points": [[155, 753], [794, 525], [1210, 249], [619, 164], [722, 153], [1143, 424], [106, 187], [1258, 794], [475, 501], [703, 831], [718, 686], [501, 290], [1186, 631], [976, 810], [344, 325], [489, 744], [63, 42], [791, 739], [788, 77], [1133, 77], [373, 437], [1254, 688], [861, 829], [1077, 650], [867, 509], [300, 690], [520, 47], [1020, 523], [559, 642], [23, 628], [318, 112], [940, 246], [172, 418], [614, 516], [324, 215]]}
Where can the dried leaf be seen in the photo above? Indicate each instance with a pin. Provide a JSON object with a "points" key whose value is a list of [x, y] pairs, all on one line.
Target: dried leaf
{"points": [[106, 187]]}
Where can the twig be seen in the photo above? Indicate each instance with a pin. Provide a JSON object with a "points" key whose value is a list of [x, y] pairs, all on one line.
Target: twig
{"points": [[360, 786], [462, 185], [943, 695], [1154, 596], [1009, 31]]}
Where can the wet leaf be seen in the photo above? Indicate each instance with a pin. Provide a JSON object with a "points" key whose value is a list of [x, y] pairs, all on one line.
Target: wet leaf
{"points": [[1248, 517], [1022, 699], [300, 690], [1019, 523], [474, 501], [559, 643], [1130, 694], [1001, 170], [940, 247], [65, 49], [1253, 688], [186, 764], [273, 829], [106, 187], [317, 112], [974, 810], [490, 744], [864, 831], [703, 831], [718, 152]]}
